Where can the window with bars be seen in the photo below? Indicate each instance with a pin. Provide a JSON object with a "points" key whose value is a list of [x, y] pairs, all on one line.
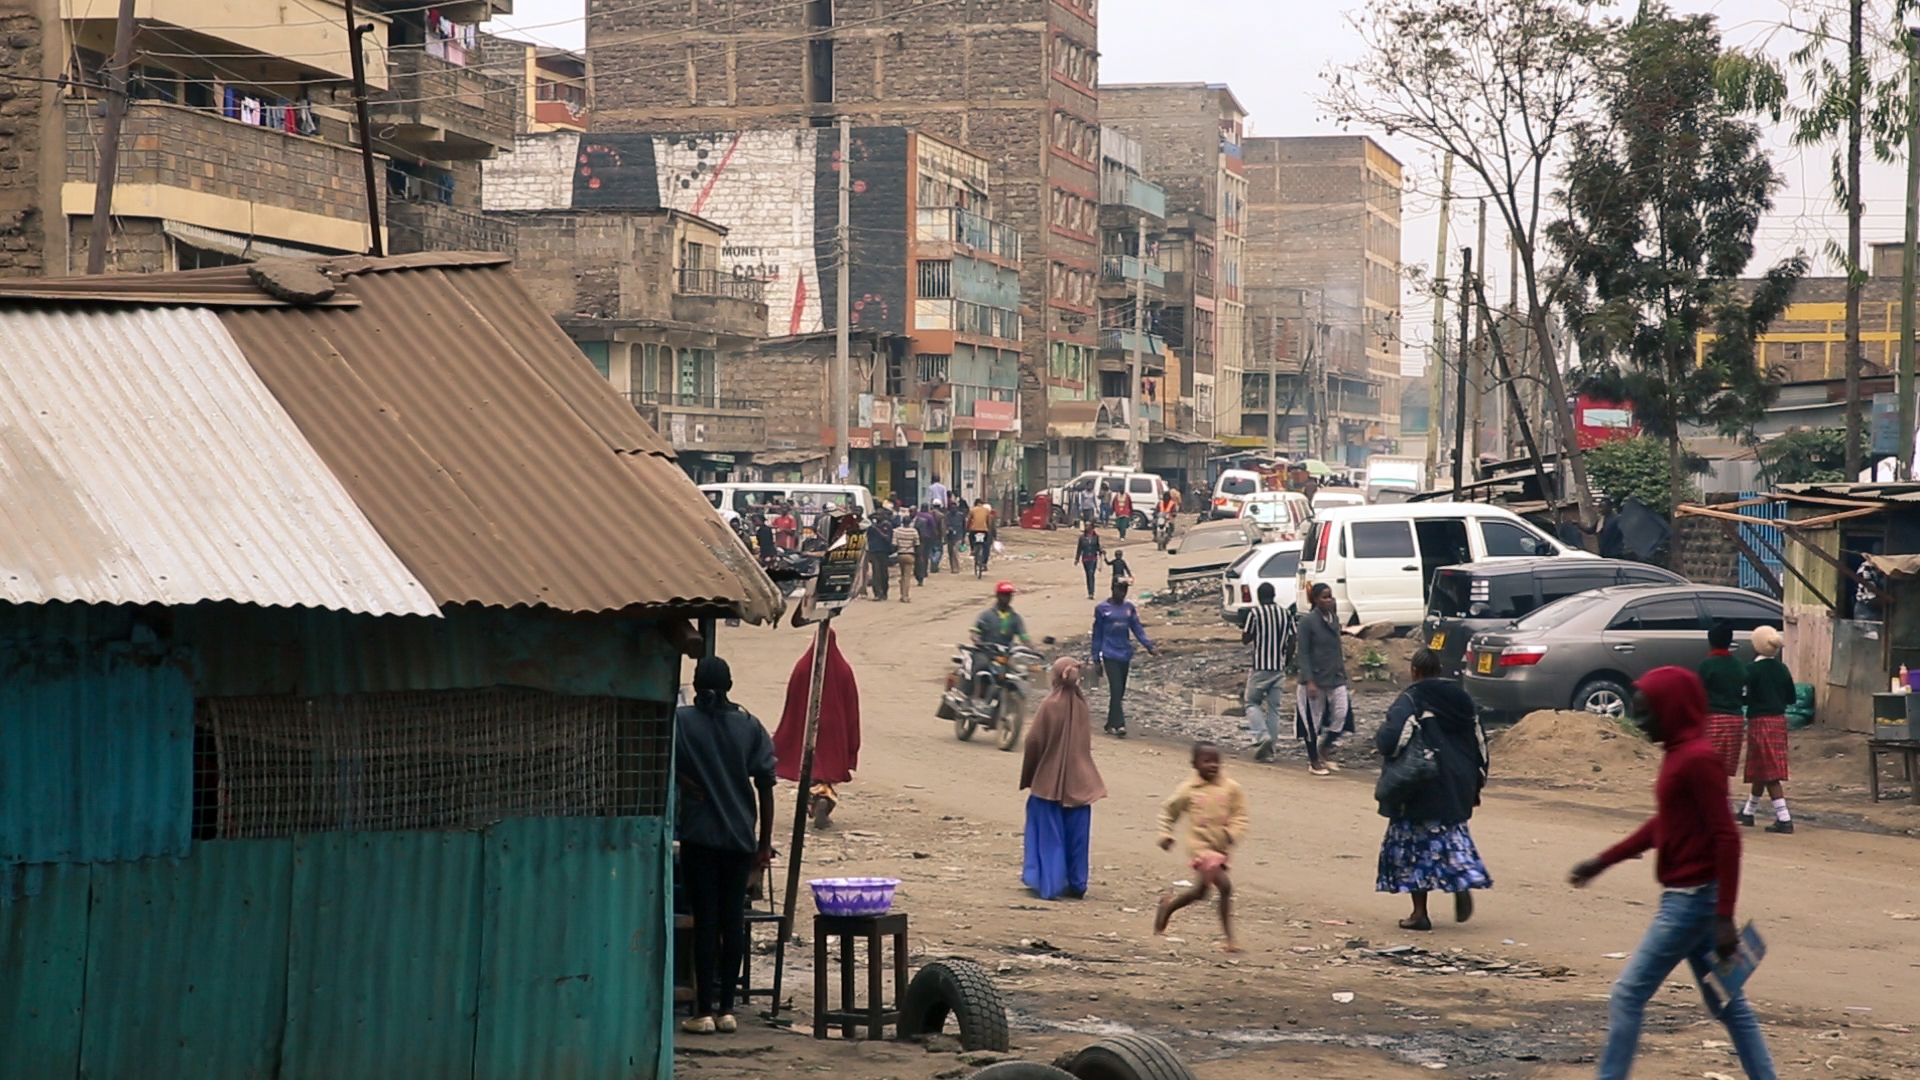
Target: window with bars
{"points": [[896, 374], [935, 279], [931, 367]]}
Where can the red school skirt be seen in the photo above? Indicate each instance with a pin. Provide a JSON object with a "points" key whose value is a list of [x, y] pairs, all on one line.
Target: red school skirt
{"points": [[1766, 749], [1727, 732]]}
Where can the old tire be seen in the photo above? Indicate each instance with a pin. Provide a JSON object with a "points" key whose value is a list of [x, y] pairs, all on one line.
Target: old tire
{"points": [[1603, 697], [1021, 1070], [1012, 716], [960, 989], [1127, 1057]]}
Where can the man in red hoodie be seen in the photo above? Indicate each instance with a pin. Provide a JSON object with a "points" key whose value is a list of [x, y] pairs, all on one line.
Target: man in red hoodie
{"points": [[1698, 864]]}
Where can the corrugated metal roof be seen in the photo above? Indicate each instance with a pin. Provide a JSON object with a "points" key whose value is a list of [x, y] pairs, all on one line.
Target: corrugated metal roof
{"points": [[487, 451], [219, 286], [142, 461]]}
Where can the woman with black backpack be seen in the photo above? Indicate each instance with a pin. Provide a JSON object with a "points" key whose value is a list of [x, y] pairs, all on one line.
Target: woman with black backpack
{"points": [[1436, 765]]}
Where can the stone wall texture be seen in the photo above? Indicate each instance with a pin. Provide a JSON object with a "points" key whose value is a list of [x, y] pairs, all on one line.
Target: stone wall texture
{"points": [[23, 221]]}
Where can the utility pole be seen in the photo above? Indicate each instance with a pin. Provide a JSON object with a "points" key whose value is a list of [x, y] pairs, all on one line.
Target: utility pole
{"points": [[841, 367], [1273, 382], [1459, 407], [100, 230], [1134, 420], [355, 37], [1479, 380], [1436, 395], [1905, 383], [1855, 206]]}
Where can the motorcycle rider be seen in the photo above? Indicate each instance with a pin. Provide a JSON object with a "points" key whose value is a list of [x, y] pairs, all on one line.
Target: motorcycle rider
{"points": [[998, 625]]}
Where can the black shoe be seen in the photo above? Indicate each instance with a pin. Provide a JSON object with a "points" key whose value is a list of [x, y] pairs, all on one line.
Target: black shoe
{"points": [[1744, 819], [1784, 827], [1121, 733]]}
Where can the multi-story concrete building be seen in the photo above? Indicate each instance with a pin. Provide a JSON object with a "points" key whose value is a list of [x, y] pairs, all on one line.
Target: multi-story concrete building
{"points": [[935, 278], [1012, 81], [1132, 222], [238, 141], [1323, 270], [1190, 136]]}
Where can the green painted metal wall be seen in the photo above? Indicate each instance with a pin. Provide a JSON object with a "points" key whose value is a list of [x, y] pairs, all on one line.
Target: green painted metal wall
{"points": [[537, 948]]}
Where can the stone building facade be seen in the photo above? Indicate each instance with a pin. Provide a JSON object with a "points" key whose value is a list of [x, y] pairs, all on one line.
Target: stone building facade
{"points": [[1323, 259], [1011, 80], [1190, 136]]}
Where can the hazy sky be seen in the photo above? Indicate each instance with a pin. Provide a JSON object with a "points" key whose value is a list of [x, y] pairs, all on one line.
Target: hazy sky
{"points": [[1272, 55]]}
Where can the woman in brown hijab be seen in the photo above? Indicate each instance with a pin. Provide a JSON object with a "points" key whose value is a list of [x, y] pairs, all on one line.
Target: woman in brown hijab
{"points": [[1065, 784]]}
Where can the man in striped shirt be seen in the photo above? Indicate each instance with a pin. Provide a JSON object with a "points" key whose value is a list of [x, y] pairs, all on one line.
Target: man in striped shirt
{"points": [[1269, 630]]}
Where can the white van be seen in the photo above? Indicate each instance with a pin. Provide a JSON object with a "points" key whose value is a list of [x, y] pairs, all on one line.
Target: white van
{"points": [[735, 499], [1379, 560], [1145, 489], [1231, 490]]}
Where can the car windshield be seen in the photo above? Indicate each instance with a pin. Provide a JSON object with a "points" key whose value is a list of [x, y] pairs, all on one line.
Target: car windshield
{"points": [[1238, 485], [1269, 512], [1559, 611], [1211, 539]]}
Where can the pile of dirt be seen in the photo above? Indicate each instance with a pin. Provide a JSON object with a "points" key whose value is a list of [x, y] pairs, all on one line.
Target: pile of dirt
{"points": [[1571, 749]]}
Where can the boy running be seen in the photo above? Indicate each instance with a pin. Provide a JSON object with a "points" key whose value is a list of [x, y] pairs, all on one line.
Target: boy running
{"points": [[1216, 812]]}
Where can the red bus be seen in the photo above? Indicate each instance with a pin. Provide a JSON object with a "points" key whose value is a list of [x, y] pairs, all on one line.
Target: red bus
{"points": [[1597, 421]]}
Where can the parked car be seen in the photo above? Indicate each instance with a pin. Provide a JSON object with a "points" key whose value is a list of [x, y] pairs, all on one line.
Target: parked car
{"points": [[1230, 491], [1272, 563], [734, 499], [1281, 515], [1466, 600], [1380, 559], [1145, 489], [1205, 550], [1585, 651], [1329, 498]]}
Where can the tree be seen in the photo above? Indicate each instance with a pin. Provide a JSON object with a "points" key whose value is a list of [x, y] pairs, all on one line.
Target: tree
{"points": [[1638, 469], [1497, 84], [1814, 456], [1663, 193]]}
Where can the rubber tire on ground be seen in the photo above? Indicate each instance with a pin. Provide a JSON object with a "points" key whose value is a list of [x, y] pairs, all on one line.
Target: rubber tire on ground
{"points": [[960, 989], [1588, 688], [1127, 1057], [1021, 1070], [1012, 715]]}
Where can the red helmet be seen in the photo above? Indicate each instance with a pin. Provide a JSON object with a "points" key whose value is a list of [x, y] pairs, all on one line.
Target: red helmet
{"points": [[1005, 588]]}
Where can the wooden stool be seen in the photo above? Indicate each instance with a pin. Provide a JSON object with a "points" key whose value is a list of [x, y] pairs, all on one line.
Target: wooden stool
{"points": [[1908, 752], [847, 928]]}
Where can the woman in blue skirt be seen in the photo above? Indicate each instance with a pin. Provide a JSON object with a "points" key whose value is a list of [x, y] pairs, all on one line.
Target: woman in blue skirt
{"points": [[1427, 848], [1064, 784]]}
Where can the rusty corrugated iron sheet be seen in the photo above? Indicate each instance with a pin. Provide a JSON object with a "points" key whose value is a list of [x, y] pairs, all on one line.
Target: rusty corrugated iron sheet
{"points": [[143, 461], [483, 446]]}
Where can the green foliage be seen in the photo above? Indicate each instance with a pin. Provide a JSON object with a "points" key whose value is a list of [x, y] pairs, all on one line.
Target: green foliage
{"points": [[1818, 456], [1636, 469]]}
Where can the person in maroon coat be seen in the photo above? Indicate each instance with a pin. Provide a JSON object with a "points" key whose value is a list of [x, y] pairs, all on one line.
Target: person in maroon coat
{"points": [[1698, 865], [836, 745]]}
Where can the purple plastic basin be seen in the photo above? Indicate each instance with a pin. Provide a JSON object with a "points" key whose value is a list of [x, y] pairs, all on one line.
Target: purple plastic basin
{"points": [[853, 896]]}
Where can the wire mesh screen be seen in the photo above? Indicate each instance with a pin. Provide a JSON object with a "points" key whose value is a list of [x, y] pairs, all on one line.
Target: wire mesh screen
{"points": [[457, 759]]}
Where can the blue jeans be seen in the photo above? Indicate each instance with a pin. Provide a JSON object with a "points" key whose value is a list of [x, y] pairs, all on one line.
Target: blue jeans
{"points": [[1264, 702], [1681, 930]]}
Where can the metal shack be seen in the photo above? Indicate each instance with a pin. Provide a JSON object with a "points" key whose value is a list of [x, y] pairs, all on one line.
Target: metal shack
{"points": [[338, 647]]}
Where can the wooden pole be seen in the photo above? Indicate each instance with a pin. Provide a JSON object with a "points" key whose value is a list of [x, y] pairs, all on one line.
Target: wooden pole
{"points": [[1437, 394], [1460, 382], [375, 245], [814, 689], [1904, 384], [1513, 398], [100, 234]]}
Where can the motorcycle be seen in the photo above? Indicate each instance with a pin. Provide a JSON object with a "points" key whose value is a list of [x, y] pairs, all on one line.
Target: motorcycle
{"points": [[999, 700], [1162, 529]]}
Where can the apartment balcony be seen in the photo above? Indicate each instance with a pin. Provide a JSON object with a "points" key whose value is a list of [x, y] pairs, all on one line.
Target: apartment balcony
{"points": [[444, 111], [965, 317], [1128, 268], [1123, 189], [1122, 341], [966, 231], [698, 422], [200, 168], [717, 301], [1356, 404]]}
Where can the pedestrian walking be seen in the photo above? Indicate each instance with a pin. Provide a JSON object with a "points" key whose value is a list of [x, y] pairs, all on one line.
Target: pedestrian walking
{"points": [[1123, 513], [906, 544], [1216, 811], [937, 493], [1087, 503], [956, 532], [1725, 678], [1116, 623], [836, 741], [880, 553], [1698, 865], [786, 527], [1769, 692], [1087, 553], [1063, 783], [722, 761], [923, 525], [1270, 630], [1428, 848], [1325, 711], [936, 540]]}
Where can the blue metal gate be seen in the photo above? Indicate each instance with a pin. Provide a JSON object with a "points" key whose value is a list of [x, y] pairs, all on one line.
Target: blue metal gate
{"points": [[1751, 579]]}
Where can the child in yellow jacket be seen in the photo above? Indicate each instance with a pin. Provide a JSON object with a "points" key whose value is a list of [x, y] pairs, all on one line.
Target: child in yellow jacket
{"points": [[1216, 812]]}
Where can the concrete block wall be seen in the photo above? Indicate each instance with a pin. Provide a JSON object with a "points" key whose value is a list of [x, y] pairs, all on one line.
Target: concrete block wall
{"points": [[139, 247], [596, 265], [23, 220]]}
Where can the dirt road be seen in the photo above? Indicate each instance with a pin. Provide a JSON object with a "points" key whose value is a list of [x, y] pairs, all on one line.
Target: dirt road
{"points": [[1517, 992]]}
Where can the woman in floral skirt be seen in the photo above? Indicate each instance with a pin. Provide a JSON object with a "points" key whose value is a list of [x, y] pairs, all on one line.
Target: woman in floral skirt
{"points": [[1427, 848]]}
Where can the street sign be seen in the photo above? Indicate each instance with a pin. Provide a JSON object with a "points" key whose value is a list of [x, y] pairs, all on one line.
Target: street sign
{"points": [[839, 569], [1886, 425]]}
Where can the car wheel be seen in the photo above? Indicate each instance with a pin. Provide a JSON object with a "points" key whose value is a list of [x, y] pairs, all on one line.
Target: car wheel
{"points": [[1603, 697]]}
